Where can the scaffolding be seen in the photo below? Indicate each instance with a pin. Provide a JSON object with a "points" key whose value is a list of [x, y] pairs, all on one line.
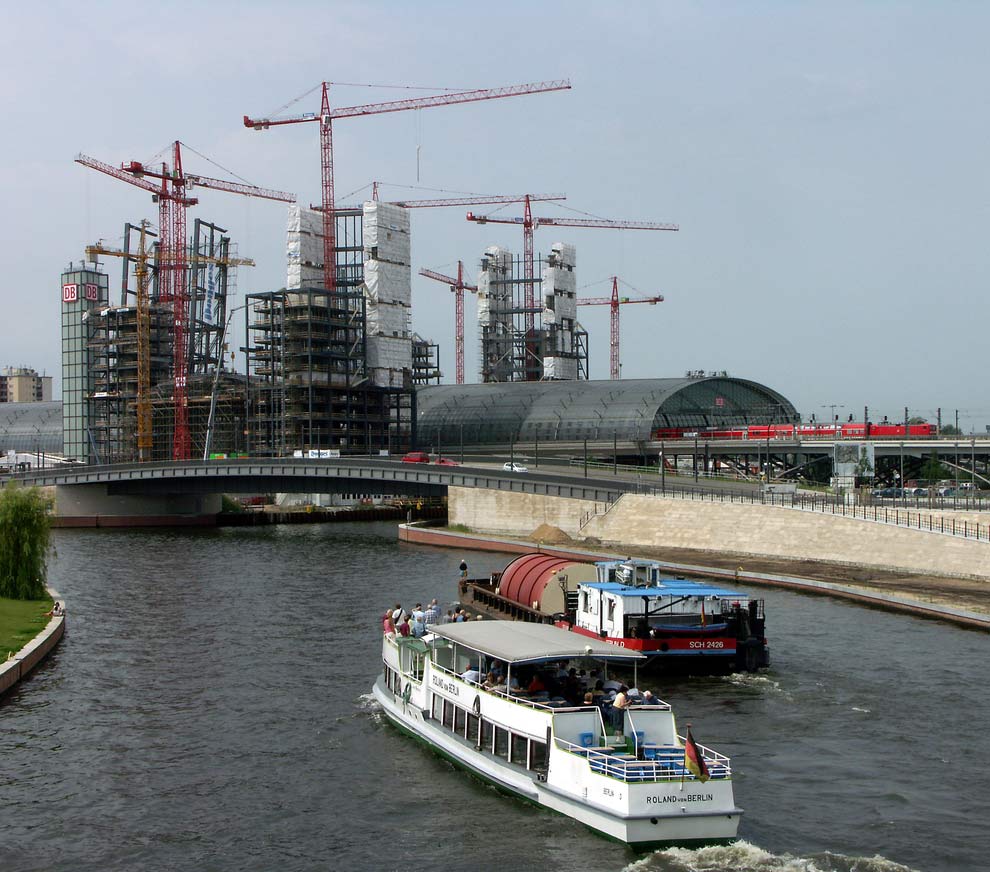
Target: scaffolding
{"points": [[556, 346], [425, 361]]}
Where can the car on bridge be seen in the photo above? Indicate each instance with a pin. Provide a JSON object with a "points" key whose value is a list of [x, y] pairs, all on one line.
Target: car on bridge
{"points": [[416, 457], [445, 461], [512, 466]]}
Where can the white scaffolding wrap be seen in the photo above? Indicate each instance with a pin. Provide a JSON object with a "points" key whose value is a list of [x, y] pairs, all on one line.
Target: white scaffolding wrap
{"points": [[388, 321], [387, 282], [304, 248], [386, 234]]}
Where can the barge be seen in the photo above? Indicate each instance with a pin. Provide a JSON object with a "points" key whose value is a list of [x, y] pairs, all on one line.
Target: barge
{"points": [[638, 782], [679, 625]]}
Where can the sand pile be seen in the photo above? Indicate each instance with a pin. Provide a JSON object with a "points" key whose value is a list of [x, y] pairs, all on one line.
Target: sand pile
{"points": [[550, 535]]}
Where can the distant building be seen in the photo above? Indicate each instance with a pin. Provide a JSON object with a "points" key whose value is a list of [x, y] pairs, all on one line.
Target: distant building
{"points": [[18, 384]]}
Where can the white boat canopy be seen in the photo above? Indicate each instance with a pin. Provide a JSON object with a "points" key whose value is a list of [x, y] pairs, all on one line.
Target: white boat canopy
{"points": [[522, 642]]}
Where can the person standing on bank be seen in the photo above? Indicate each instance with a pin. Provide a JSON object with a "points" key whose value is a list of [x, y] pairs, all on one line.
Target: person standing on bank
{"points": [[463, 569]]}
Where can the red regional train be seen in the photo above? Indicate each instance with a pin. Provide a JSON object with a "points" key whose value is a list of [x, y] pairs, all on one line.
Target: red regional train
{"points": [[849, 430]]}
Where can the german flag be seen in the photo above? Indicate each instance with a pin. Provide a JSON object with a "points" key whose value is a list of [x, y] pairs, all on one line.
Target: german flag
{"points": [[694, 760]]}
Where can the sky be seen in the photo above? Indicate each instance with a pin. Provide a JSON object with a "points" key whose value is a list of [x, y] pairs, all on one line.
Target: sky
{"points": [[826, 164]]}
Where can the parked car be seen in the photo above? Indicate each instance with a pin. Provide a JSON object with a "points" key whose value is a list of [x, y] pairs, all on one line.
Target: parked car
{"points": [[416, 457], [512, 466], [445, 461]]}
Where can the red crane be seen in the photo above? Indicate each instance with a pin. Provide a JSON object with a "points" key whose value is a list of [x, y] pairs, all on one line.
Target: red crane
{"points": [[325, 120], [170, 187], [529, 224], [457, 286], [614, 302]]}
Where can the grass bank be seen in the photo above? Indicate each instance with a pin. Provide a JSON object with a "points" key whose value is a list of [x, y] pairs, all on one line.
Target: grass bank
{"points": [[20, 622]]}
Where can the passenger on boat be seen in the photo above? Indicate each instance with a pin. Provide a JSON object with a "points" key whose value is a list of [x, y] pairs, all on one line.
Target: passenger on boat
{"points": [[472, 674], [491, 681], [536, 684], [404, 628], [388, 625], [432, 613], [573, 688], [418, 621], [397, 614], [619, 705], [513, 685], [589, 698]]}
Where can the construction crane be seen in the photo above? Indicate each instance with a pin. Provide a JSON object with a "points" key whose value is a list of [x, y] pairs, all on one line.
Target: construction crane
{"points": [[529, 224], [466, 200], [457, 286], [171, 187], [327, 115], [614, 302]]}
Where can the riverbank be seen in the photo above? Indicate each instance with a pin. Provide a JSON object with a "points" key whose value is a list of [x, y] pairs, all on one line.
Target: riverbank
{"points": [[16, 666], [964, 602]]}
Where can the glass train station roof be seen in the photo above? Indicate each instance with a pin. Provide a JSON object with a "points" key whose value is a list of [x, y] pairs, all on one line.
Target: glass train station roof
{"points": [[566, 411], [31, 427]]}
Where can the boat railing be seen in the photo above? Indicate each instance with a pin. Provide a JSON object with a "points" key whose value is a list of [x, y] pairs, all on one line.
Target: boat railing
{"points": [[658, 762]]}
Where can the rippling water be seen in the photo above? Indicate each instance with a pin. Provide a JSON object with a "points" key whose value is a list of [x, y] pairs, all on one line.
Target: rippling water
{"points": [[209, 710]]}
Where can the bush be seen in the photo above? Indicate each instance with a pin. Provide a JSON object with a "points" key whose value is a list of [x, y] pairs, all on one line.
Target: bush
{"points": [[25, 543]]}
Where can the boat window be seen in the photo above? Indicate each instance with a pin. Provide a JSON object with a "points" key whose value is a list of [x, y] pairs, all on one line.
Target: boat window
{"points": [[501, 742], [584, 600], [437, 708], [520, 749], [611, 609], [448, 714], [538, 756], [472, 728], [458, 720]]}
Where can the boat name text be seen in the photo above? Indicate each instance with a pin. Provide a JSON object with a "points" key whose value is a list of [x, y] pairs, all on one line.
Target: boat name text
{"points": [[446, 686], [691, 797]]}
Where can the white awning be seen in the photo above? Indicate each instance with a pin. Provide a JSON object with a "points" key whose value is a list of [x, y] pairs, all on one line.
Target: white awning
{"points": [[522, 642]]}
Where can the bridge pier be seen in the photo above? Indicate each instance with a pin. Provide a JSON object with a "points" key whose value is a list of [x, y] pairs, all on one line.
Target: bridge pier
{"points": [[94, 505]]}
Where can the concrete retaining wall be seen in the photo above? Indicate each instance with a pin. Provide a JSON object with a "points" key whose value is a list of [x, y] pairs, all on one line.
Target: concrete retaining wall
{"points": [[745, 529], [25, 660]]}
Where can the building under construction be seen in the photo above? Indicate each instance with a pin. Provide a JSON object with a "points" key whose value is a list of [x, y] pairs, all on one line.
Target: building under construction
{"points": [[117, 337], [542, 342], [336, 369]]}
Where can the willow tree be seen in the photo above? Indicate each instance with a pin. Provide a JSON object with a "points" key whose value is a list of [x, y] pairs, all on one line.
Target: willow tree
{"points": [[25, 543]]}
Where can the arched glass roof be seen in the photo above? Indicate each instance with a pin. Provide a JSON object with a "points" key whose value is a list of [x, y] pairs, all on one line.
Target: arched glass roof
{"points": [[565, 411], [31, 427]]}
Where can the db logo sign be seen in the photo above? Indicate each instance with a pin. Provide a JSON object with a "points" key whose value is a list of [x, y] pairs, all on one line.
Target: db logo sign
{"points": [[70, 293], [92, 292]]}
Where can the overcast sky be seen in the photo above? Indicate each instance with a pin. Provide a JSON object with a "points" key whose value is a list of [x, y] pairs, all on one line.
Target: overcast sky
{"points": [[826, 162]]}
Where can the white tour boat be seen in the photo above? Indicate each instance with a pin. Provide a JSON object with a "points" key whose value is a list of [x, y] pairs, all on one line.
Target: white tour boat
{"points": [[635, 782]]}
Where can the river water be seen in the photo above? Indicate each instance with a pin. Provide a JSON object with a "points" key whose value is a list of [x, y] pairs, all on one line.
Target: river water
{"points": [[209, 709]]}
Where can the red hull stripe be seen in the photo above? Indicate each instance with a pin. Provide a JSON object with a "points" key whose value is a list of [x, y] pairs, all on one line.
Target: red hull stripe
{"points": [[675, 644]]}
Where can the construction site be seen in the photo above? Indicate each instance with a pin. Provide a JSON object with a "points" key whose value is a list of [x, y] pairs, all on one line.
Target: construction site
{"points": [[330, 360]]}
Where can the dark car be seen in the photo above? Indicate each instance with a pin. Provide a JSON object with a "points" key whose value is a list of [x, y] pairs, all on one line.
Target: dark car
{"points": [[416, 457]]}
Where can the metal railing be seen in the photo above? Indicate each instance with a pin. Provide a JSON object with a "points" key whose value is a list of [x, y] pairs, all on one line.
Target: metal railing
{"points": [[667, 766]]}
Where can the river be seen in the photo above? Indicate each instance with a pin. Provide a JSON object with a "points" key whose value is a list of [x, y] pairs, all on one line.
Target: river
{"points": [[209, 709]]}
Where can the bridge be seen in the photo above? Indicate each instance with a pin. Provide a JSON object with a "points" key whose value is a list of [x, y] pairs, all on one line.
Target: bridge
{"points": [[169, 492]]}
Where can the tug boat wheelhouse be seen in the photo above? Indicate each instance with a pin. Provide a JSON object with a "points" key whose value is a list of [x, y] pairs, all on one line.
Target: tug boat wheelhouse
{"points": [[680, 625], [633, 785]]}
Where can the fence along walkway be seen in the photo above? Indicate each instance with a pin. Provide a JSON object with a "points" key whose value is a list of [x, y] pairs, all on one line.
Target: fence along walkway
{"points": [[917, 520]]}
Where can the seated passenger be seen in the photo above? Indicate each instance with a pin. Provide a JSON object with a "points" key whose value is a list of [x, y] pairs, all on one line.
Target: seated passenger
{"points": [[491, 681], [513, 685], [536, 684], [472, 674]]}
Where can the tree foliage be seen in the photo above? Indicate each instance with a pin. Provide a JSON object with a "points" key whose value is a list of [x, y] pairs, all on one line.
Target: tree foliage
{"points": [[25, 543], [933, 470], [950, 430]]}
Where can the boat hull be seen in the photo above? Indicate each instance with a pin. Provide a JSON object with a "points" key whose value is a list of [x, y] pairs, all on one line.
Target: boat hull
{"points": [[669, 827]]}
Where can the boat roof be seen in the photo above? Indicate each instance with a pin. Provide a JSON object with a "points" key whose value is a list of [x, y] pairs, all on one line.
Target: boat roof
{"points": [[673, 587], [524, 642]]}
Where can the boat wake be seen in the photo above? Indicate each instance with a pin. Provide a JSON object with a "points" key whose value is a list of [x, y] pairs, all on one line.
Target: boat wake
{"points": [[366, 704], [755, 682], [745, 857]]}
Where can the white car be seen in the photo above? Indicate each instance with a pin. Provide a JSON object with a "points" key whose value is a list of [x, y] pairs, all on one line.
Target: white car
{"points": [[514, 467]]}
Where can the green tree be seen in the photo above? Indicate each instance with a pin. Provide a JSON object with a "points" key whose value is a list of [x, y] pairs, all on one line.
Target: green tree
{"points": [[933, 471], [25, 543], [950, 430]]}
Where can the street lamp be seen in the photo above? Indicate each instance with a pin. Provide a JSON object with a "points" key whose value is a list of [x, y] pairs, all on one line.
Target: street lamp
{"points": [[216, 379]]}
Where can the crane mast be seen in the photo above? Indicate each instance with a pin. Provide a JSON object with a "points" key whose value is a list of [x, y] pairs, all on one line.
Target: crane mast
{"points": [[613, 302], [457, 286]]}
